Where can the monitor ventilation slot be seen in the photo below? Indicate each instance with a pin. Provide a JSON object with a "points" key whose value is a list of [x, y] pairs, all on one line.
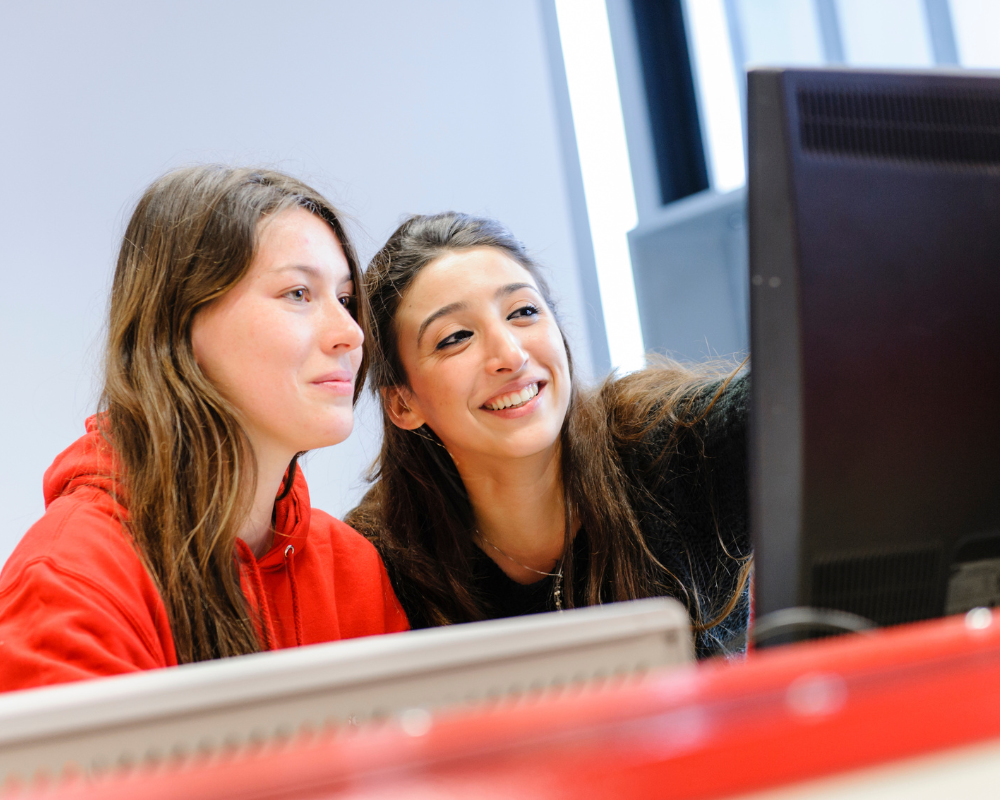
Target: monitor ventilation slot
{"points": [[922, 127], [887, 588]]}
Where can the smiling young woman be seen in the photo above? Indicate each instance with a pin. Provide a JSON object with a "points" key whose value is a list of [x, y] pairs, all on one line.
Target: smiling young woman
{"points": [[504, 488], [178, 528]]}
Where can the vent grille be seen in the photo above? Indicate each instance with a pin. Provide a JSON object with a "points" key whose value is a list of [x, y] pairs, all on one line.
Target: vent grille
{"points": [[887, 588], [961, 128]]}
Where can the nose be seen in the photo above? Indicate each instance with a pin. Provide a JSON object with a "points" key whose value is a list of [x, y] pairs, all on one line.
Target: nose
{"points": [[341, 332], [506, 352]]}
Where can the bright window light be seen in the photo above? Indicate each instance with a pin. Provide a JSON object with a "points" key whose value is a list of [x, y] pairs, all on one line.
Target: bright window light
{"points": [[976, 24], [722, 122], [780, 32], [604, 162], [887, 33]]}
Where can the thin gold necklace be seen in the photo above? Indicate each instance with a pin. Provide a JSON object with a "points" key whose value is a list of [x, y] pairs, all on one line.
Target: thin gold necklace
{"points": [[556, 590]]}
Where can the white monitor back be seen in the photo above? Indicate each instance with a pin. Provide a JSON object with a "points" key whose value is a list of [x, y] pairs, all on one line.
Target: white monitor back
{"points": [[96, 725]]}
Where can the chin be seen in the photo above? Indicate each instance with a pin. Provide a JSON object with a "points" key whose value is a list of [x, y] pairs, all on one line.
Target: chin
{"points": [[530, 445], [329, 436], [339, 436]]}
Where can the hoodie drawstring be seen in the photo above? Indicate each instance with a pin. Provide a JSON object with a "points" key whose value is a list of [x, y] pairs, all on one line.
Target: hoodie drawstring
{"points": [[263, 607], [289, 552]]}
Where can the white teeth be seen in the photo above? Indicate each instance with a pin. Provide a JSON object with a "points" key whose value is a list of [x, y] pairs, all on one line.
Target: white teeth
{"points": [[514, 399]]}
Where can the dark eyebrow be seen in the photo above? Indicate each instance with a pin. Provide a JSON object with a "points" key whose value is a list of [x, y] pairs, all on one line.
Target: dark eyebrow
{"points": [[451, 308], [510, 288], [441, 312]]}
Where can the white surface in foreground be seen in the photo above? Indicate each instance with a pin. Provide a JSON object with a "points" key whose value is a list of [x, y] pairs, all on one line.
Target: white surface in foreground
{"points": [[201, 707]]}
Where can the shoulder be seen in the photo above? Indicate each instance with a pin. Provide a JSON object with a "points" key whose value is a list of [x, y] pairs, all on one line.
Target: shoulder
{"points": [[80, 535], [343, 540], [76, 600], [684, 391], [701, 440], [366, 601], [658, 410], [368, 517], [687, 470], [341, 552], [724, 426], [728, 403]]}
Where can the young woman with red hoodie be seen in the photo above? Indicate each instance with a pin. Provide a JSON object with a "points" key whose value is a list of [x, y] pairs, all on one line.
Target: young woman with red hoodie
{"points": [[178, 529]]}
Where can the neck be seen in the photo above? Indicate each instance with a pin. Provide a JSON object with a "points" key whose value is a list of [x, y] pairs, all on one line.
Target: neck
{"points": [[257, 530], [520, 510]]}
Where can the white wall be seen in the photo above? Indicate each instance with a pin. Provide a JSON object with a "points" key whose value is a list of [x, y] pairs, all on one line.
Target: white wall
{"points": [[389, 106]]}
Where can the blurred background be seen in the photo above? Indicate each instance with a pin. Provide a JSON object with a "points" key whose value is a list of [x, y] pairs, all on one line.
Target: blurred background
{"points": [[609, 136]]}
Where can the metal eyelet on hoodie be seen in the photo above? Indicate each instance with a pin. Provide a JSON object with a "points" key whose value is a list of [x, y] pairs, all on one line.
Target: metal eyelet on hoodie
{"points": [[289, 552]]}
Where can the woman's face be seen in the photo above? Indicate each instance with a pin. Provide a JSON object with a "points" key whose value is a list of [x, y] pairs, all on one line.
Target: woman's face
{"points": [[485, 360], [282, 345]]}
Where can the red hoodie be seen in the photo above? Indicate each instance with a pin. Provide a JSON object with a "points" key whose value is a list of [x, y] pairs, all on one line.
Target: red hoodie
{"points": [[76, 602]]}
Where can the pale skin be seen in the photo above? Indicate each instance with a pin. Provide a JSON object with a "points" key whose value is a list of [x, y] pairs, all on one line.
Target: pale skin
{"points": [[475, 334], [283, 348]]}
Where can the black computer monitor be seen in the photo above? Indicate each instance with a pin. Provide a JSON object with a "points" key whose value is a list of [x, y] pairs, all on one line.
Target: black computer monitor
{"points": [[874, 215]]}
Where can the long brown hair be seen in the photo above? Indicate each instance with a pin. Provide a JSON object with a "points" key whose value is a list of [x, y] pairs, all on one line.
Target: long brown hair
{"points": [[418, 513], [187, 466]]}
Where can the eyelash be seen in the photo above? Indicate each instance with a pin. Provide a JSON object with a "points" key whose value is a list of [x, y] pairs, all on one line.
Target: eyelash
{"points": [[350, 301], [530, 307], [448, 341]]}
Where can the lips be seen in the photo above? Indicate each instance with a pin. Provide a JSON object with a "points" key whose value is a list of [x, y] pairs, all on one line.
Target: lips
{"points": [[340, 376], [513, 399], [336, 383]]}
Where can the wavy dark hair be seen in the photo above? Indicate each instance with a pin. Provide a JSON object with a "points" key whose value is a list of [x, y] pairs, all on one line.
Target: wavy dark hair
{"points": [[187, 465], [418, 514]]}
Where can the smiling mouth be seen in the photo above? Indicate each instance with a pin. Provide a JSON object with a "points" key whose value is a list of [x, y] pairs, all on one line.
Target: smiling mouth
{"points": [[513, 399]]}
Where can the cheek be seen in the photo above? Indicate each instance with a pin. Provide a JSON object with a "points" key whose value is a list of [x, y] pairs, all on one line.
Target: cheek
{"points": [[244, 349], [271, 357], [274, 341], [210, 345], [356, 355], [552, 351], [559, 347], [547, 347], [443, 391]]}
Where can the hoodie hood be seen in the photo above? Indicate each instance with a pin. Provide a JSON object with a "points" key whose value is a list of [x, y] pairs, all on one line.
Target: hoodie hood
{"points": [[77, 601], [91, 462]]}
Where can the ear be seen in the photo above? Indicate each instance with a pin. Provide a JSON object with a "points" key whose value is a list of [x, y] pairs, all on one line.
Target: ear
{"points": [[397, 401]]}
